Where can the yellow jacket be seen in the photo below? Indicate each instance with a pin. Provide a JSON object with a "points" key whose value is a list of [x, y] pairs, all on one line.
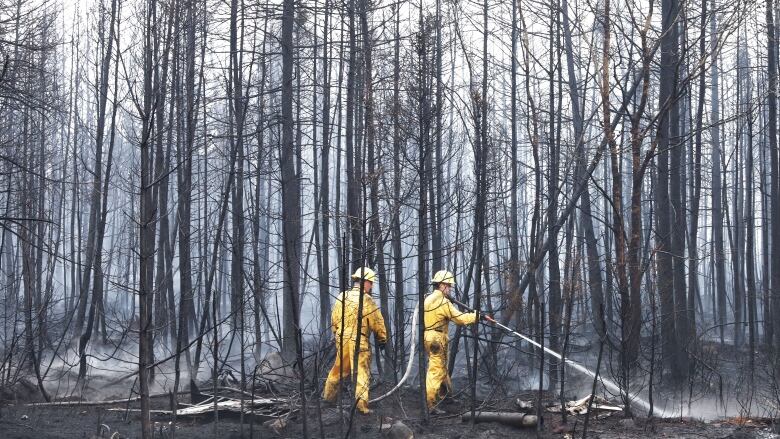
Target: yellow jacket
{"points": [[439, 311], [348, 302]]}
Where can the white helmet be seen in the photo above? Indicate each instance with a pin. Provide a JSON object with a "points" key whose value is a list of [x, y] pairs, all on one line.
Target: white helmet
{"points": [[364, 273], [443, 277]]}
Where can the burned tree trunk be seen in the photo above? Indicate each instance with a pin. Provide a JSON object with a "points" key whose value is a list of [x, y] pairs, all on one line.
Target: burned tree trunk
{"points": [[291, 194], [773, 338], [693, 275], [395, 226], [146, 225], [717, 186], [324, 199], [595, 279], [423, 115], [98, 187], [663, 205], [354, 170], [556, 305]]}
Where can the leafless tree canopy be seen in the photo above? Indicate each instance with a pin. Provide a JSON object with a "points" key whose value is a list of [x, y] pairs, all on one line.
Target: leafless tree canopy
{"points": [[185, 186]]}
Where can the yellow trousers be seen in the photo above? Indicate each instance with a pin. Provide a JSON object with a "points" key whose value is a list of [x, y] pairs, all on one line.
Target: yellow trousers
{"points": [[437, 380], [342, 368]]}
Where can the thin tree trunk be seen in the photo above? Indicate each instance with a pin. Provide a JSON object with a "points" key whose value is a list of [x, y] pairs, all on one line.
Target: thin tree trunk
{"points": [[664, 258], [146, 225], [422, 213], [398, 265], [324, 201], [184, 213], [773, 338], [595, 279], [717, 185], [354, 175], [693, 258], [555, 308]]}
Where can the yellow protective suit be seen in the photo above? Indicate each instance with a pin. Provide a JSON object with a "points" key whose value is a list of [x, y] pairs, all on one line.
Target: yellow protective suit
{"points": [[438, 313], [345, 310]]}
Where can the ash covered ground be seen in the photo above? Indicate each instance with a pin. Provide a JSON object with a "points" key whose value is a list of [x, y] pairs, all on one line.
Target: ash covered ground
{"points": [[717, 406], [20, 417]]}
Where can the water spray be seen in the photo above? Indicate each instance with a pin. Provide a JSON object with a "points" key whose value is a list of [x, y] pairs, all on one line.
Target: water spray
{"points": [[609, 384]]}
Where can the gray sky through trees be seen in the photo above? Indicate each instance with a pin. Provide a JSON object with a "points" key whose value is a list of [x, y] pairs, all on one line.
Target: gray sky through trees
{"points": [[230, 166]]}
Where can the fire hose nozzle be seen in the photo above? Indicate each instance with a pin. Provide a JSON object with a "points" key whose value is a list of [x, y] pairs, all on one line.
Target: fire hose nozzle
{"points": [[488, 318]]}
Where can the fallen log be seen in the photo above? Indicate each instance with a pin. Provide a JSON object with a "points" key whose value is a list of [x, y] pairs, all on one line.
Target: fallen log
{"points": [[133, 399], [506, 418], [234, 405], [82, 402], [263, 409], [151, 411]]}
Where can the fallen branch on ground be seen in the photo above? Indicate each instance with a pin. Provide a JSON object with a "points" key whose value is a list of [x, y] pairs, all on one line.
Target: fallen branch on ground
{"points": [[264, 409], [580, 406], [96, 403]]}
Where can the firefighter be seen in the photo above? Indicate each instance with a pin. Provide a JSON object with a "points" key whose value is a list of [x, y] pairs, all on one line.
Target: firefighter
{"points": [[344, 323], [439, 310]]}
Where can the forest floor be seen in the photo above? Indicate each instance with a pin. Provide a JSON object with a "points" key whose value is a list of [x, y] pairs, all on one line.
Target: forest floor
{"points": [[21, 420]]}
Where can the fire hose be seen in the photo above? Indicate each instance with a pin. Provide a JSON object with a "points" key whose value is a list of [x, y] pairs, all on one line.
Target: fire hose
{"points": [[410, 363]]}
